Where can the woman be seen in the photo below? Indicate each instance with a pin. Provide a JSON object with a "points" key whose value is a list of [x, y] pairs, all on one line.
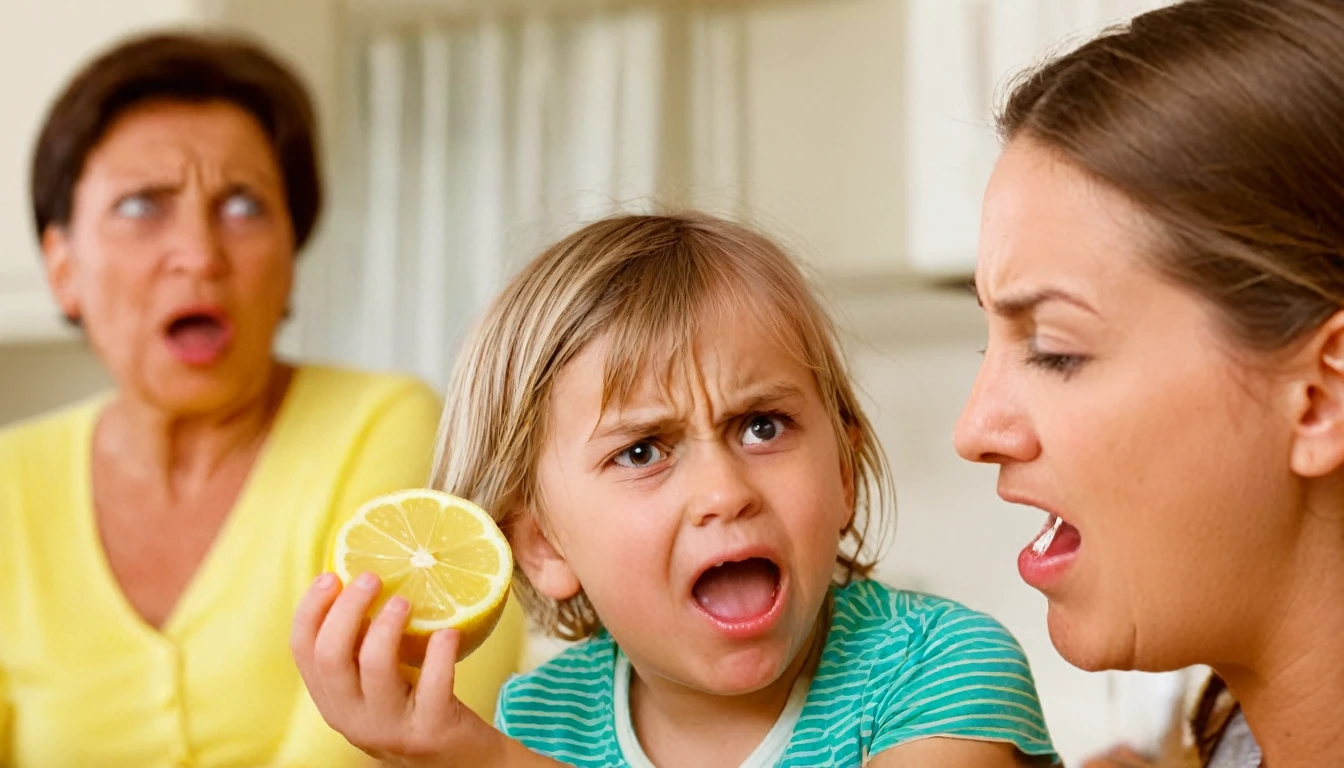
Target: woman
{"points": [[154, 541], [1162, 266]]}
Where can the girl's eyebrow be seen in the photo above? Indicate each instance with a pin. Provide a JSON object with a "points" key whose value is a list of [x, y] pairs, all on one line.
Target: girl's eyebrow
{"points": [[634, 425], [659, 420], [762, 397]]}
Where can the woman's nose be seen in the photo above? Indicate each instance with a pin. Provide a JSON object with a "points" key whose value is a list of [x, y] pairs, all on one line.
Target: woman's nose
{"points": [[194, 243], [993, 427]]}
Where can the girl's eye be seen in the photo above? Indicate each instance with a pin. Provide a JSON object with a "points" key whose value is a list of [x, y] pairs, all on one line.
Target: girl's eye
{"points": [[241, 205], [136, 206], [762, 429], [640, 455]]}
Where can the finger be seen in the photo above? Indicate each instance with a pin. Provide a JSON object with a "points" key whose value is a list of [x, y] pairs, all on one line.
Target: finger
{"points": [[434, 699], [380, 678], [312, 609], [336, 640]]}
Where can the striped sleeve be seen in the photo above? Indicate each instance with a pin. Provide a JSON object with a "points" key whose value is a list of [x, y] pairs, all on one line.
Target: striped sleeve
{"points": [[562, 709], [502, 719], [963, 676]]}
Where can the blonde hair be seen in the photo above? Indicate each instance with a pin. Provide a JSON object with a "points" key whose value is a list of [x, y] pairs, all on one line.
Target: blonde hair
{"points": [[646, 282]]}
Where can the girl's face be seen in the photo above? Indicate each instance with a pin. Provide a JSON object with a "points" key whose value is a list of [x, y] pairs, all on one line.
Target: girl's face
{"points": [[703, 518], [1109, 399]]}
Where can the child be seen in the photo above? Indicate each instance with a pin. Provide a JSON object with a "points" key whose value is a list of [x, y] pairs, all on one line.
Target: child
{"points": [[657, 412]]}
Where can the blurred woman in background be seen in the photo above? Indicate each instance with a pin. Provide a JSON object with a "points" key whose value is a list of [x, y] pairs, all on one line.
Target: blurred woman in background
{"points": [[1162, 265], [155, 540]]}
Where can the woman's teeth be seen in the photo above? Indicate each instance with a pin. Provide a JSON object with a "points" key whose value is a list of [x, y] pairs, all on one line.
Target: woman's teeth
{"points": [[1047, 536]]}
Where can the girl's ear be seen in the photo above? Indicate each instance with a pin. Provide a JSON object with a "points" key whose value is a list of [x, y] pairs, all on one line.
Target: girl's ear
{"points": [[542, 561]]}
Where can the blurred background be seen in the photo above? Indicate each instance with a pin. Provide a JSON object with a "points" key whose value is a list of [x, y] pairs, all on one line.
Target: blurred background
{"points": [[462, 135]]}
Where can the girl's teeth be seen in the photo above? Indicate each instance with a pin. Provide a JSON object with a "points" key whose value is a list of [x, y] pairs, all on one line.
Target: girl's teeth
{"points": [[1047, 536]]}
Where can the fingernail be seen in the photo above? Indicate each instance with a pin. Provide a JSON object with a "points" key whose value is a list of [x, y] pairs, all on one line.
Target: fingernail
{"points": [[325, 581], [367, 581], [398, 604]]}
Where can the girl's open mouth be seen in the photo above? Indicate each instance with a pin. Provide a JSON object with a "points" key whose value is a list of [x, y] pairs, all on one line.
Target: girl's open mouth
{"points": [[741, 598]]}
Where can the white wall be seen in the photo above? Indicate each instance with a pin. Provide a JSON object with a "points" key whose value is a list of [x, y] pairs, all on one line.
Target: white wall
{"points": [[42, 42], [37, 377], [824, 139]]}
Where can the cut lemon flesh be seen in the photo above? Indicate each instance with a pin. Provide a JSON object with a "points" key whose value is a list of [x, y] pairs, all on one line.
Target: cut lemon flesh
{"points": [[443, 554]]}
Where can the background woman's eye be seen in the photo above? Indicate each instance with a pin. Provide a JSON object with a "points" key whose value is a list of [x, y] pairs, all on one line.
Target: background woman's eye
{"points": [[242, 205], [136, 207], [640, 455], [762, 429]]}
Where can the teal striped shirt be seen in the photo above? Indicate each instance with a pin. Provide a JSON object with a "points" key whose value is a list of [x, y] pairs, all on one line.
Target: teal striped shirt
{"points": [[897, 666]]}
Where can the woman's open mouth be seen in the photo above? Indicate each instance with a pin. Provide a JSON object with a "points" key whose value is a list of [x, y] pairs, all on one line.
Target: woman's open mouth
{"points": [[1044, 562], [199, 338]]}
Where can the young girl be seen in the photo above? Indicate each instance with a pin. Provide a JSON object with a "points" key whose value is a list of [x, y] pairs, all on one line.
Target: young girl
{"points": [[657, 412]]}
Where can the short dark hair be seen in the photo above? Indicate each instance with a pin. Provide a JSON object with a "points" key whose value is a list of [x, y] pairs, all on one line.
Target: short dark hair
{"points": [[193, 67]]}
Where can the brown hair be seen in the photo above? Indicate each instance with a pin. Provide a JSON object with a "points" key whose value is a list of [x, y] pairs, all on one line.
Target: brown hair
{"points": [[184, 67], [650, 282], [1222, 119]]}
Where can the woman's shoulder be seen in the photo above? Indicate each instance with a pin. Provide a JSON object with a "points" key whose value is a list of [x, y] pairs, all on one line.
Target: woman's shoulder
{"points": [[36, 441], [331, 414], [344, 399], [356, 386]]}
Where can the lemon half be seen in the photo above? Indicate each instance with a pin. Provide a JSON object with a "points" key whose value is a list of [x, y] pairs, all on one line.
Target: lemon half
{"points": [[444, 554]]}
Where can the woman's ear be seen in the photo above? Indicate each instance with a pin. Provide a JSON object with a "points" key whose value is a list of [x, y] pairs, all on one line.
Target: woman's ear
{"points": [[60, 269], [545, 565], [1318, 402]]}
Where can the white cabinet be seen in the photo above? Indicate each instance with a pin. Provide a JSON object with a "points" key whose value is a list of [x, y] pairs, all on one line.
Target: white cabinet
{"points": [[960, 59], [42, 43]]}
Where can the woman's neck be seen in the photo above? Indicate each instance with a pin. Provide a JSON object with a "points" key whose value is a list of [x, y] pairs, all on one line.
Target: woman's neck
{"points": [[1292, 690], [663, 712], [175, 450]]}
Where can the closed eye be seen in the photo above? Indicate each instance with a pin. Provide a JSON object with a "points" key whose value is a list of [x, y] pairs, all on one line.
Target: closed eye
{"points": [[1066, 365]]}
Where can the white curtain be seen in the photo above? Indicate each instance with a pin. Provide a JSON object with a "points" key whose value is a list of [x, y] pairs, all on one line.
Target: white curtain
{"points": [[468, 144]]}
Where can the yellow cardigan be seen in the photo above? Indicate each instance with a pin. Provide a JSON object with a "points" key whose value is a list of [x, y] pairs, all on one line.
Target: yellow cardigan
{"points": [[85, 682]]}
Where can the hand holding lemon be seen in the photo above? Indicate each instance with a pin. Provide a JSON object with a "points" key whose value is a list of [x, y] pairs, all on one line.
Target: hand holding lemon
{"points": [[443, 554], [432, 571]]}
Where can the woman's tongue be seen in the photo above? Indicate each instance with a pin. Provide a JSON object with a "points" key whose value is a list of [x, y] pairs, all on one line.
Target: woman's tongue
{"points": [[738, 591], [197, 339]]}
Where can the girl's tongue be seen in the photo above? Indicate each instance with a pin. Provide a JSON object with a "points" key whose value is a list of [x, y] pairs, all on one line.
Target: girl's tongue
{"points": [[735, 592]]}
